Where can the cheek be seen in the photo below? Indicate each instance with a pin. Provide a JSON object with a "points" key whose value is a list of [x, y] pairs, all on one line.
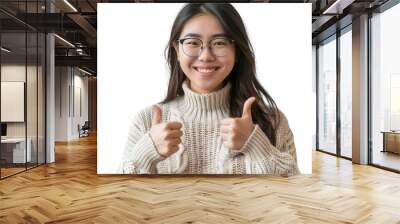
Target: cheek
{"points": [[229, 60], [229, 63], [185, 64]]}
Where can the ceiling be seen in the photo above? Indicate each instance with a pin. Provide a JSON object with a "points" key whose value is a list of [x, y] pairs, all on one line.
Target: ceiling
{"points": [[76, 22]]}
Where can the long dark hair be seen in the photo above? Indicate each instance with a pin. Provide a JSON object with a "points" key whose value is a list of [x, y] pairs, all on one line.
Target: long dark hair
{"points": [[243, 75]]}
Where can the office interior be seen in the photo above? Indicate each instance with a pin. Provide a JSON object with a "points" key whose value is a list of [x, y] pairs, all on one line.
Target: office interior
{"points": [[49, 97], [47, 81]]}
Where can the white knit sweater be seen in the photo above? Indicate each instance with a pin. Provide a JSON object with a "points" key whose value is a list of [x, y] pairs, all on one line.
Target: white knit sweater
{"points": [[201, 150]]}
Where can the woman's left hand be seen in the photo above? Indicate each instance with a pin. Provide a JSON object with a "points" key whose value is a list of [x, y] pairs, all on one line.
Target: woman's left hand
{"points": [[236, 131]]}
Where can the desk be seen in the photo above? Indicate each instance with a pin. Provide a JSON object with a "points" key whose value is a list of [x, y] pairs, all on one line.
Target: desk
{"points": [[391, 141], [15, 148]]}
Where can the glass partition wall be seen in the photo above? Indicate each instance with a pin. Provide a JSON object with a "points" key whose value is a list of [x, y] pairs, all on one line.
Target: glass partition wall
{"points": [[13, 109], [334, 75], [22, 88]]}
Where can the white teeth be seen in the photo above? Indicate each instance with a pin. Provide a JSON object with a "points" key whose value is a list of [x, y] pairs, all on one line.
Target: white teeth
{"points": [[206, 70]]}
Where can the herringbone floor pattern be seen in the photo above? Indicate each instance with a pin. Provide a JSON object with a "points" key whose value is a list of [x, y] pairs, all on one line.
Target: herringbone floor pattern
{"points": [[70, 191]]}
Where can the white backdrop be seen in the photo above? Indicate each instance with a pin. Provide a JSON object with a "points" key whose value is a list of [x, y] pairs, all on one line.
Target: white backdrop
{"points": [[132, 70]]}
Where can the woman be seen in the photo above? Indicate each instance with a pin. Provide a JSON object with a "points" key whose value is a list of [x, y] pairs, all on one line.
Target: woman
{"points": [[214, 119]]}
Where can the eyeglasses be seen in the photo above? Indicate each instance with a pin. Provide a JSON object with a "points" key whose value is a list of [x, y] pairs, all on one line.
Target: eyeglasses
{"points": [[193, 47]]}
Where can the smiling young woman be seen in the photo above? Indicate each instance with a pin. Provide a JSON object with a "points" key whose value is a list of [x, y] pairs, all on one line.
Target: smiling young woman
{"points": [[205, 54], [216, 118]]}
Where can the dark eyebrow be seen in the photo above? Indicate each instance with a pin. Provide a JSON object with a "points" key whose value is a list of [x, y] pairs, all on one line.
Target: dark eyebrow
{"points": [[198, 35]]}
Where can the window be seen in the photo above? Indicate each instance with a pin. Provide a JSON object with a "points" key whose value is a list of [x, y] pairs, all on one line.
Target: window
{"points": [[385, 88], [327, 96], [346, 93]]}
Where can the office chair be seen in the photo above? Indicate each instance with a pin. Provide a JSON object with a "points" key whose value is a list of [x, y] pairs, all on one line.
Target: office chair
{"points": [[84, 130]]}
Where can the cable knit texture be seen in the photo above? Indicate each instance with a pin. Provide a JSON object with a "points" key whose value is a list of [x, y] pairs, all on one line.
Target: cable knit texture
{"points": [[201, 150]]}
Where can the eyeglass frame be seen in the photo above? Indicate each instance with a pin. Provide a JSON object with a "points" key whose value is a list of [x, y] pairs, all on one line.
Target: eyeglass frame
{"points": [[231, 41]]}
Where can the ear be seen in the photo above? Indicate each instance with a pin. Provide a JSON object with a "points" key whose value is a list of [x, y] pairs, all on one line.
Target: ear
{"points": [[176, 48]]}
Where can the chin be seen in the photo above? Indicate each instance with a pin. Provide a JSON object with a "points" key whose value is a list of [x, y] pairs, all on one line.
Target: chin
{"points": [[206, 86]]}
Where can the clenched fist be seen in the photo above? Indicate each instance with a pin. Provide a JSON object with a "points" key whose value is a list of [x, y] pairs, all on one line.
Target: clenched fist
{"points": [[166, 136], [236, 131]]}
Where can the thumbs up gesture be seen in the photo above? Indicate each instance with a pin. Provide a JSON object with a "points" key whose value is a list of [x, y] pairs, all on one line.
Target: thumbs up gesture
{"points": [[235, 131], [166, 136]]}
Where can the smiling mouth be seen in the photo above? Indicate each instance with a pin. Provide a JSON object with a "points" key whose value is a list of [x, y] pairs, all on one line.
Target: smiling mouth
{"points": [[206, 70]]}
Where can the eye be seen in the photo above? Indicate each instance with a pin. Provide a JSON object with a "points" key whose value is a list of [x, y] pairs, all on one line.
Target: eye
{"points": [[220, 42], [192, 42]]}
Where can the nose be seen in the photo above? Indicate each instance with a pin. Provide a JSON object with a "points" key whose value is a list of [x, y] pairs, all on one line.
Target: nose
{"points": [[206, 54]]}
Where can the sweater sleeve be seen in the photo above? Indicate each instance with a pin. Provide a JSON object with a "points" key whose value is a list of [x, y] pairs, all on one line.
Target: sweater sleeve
{"points": [[140, 155], [261, 157]]}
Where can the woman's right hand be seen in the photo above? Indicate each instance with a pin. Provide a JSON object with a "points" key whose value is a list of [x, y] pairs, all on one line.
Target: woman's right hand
{"points": [[166, 136]]}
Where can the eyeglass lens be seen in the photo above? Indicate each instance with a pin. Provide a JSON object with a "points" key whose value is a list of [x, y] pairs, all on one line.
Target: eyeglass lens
{"points": [[193, 46]]}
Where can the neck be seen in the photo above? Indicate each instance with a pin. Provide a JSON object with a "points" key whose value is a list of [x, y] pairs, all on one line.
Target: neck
{"points": [[202, 91], [206, 105]]}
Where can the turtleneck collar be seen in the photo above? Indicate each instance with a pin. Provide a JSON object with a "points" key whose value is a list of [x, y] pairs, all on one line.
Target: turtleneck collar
{"points": [[200, 104]]}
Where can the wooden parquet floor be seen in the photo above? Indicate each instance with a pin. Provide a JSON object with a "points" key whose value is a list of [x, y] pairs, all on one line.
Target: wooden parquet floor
{"points": [[70, 191]]}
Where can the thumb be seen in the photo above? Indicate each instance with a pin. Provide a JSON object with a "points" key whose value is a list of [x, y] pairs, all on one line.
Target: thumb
{"points": [[156, 117], [247, 107]]}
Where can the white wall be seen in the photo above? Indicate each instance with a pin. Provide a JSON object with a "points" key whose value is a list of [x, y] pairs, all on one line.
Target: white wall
{"points": [[314, 100], [68, 83], [80, 118], [61, 103]]}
